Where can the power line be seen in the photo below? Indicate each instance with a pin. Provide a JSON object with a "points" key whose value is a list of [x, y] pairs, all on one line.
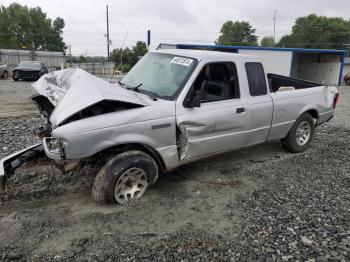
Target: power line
{"points": [[86, 34], [85, 37], [121, 49], [184, 20]]}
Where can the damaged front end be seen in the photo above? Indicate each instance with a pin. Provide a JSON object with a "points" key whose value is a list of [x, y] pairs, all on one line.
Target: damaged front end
{"points": [[45, 108], [67, 96]]}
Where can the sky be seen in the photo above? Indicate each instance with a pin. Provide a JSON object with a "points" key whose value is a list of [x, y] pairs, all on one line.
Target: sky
{"points": [[173, 21]]}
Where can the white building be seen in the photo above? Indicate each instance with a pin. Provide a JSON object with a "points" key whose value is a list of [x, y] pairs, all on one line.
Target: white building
{"points": [[317, 65]]}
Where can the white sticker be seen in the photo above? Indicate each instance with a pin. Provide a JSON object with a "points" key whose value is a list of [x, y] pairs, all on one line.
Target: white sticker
{"points": [[181, 61]]}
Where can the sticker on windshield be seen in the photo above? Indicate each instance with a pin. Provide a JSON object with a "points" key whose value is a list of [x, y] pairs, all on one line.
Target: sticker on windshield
{"points": [[181, 61]]}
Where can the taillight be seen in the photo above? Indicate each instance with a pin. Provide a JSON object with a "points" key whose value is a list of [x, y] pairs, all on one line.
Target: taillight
{"points": [[335, 101]]}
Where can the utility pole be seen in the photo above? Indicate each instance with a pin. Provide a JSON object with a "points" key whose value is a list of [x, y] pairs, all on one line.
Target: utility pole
{"points": [[107, 34], [274, 26]]}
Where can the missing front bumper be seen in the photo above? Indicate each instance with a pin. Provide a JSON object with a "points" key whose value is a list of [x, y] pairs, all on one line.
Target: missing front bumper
{"points": [[9, 164]]}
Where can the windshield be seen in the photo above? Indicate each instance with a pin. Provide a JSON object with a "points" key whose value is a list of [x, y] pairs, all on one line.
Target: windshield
{"points": [[30, 64], [162, 75]]}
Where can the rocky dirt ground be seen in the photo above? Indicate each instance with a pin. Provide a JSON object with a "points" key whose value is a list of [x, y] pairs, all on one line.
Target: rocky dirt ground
{"points": [[256, 204]]}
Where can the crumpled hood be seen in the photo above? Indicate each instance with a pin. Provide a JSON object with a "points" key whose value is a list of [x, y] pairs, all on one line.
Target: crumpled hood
{"points": [[71, 90]]}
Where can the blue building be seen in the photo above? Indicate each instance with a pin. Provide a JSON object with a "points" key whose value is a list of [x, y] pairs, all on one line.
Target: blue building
{"points": [[317, 65]]}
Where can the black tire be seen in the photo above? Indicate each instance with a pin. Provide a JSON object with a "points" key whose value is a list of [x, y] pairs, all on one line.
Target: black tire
{"points": [[15, 76], [5, 74], [106, 179], [291, 142]]}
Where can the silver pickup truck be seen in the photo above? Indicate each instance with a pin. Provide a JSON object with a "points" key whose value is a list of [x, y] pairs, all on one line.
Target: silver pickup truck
{"points": [[173, 107]]}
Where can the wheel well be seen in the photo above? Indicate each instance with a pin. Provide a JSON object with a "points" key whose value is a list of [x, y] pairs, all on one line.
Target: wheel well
{"points": [[135, 146], [313, 113]]}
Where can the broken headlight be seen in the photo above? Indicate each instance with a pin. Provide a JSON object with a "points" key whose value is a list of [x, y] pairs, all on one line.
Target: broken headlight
{"points": [[45, 129], [55, 146]]}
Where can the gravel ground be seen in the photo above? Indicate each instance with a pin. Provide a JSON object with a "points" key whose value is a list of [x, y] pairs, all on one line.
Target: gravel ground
{"points": [[18, 132], [14, 98], [256, 204]]}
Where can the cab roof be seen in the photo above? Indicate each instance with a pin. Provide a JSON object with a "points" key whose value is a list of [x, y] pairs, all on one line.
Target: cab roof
{"points": [[204, 54]]}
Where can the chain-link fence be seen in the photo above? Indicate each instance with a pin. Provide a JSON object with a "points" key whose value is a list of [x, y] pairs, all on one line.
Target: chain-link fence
{"points": [[53, 61], [96, 68]]}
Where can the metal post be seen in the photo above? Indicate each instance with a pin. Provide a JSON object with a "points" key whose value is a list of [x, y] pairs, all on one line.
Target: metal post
{"points": [[70, 54], [121, 59], [107, 35], [148, 39]]}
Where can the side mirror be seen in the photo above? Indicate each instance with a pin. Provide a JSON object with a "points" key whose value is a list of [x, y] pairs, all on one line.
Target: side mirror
{"points": [[195, 99]]}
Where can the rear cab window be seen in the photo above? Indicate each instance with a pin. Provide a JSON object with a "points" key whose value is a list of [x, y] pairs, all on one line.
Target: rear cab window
{"points": [[256, 79]]}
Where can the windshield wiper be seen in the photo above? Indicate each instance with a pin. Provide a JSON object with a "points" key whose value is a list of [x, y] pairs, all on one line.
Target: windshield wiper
{"points": [[136, 89], [130, 87]]}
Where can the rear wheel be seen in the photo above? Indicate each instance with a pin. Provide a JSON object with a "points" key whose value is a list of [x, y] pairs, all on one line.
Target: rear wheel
{"points": [[125, 178], [301, 134]]}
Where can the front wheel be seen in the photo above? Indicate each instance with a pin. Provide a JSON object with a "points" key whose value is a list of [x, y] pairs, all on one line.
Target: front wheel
{"points": [[5, 75], [125, 178], [15, 76], [301, 134]]}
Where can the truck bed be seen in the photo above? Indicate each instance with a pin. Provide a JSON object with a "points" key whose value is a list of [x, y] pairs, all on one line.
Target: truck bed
{"points": [[277, 81]]}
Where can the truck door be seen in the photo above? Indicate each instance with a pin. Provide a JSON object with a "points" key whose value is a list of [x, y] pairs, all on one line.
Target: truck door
{"points": [[259, 104], [218, 124]]}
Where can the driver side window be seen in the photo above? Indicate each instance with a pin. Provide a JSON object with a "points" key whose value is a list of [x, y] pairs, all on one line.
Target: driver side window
{"points": [[218, 81]]}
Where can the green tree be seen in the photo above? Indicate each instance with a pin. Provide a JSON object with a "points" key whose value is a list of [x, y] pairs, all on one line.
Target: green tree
{"points": [[237, 33], [82, 59], [139, 50], [267, 41], [318, 32], [121, 56], [29, 28], [126, 58], [56, 41]]}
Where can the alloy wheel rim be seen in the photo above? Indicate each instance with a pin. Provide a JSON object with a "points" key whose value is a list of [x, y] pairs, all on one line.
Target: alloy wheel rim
{"points": [[303, 133], [131, 185]]}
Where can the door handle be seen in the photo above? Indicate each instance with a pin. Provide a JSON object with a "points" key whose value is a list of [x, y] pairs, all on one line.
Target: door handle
{"points": [[240, 110]]}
